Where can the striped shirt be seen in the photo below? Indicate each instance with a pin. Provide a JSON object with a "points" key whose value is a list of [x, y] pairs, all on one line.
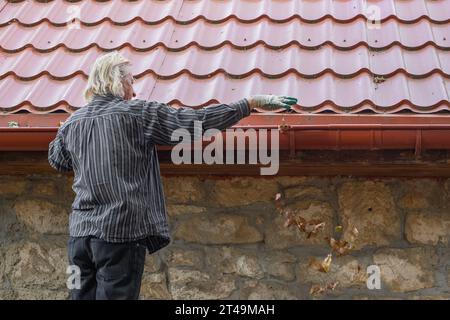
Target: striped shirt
{"points": [[110, 146]]}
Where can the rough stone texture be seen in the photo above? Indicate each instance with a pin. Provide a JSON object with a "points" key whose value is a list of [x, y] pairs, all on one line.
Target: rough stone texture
{"points": [[11, 186], [349, 271], [180, 257], [277, 236], [7, 295], [42, 216], [303, 192], [280, 265], [31, 265], [10, 227], [154, 286], [369, 206], [267, 290], [175, 210], [428, 228], [290, 181], [405, 270], [244, 191], [431, 297], [229, 242], [229, 260], [153, 263], [194, 284], [183, 190], [218, 229], [420, 194], [41, 294], [43, 188]]}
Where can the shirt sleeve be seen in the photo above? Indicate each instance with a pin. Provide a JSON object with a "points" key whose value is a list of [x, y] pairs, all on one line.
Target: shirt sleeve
{"points": [[58, 157], [160, 120]]}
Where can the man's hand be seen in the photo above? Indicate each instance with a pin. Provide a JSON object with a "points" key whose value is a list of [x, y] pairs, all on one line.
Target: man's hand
{"points": [[271, 102]]}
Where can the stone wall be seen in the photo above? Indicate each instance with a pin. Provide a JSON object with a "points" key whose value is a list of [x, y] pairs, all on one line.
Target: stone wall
{"points": [[229, 242]]}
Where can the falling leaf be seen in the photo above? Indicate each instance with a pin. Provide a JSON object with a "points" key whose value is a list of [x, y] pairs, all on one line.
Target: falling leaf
{"points": [[332, 286], [323, 266], [341, 247], [326, 263], [289, 221], [354, 234], [301, 222], [318, 289], [338, 229], [313, 227], [279, 203]]}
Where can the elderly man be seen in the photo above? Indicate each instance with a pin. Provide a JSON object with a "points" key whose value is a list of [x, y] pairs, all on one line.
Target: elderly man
{"points": [[119, 211]]}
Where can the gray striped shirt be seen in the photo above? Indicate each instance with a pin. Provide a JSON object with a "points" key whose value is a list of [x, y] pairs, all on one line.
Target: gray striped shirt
{"points": [[110, 146]]}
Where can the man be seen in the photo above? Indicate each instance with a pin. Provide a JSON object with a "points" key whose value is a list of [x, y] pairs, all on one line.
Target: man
{"points": [[119, 210]]}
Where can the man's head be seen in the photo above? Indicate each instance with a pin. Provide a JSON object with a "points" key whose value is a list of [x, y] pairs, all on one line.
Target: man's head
{"points": [[110, 74]]}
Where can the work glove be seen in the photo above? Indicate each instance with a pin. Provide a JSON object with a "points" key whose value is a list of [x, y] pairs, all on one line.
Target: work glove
{"points": [[271, 102]]}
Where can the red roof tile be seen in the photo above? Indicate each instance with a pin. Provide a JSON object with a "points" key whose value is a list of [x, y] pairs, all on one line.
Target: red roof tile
{"points": [[198, 52]]}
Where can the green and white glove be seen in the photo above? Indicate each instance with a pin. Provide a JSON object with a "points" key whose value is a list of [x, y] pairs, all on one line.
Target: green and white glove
{"points": [[271, 102]]}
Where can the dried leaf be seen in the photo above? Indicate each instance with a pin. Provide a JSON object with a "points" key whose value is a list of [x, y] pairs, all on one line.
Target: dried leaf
{"points": [[354, 233], [326, 263], [13, 124], [341, 247], [323, 266], [318, 289], [301, 223], [332, 286], [314, 228], [311, 227], [289, 221], [279, 203]]}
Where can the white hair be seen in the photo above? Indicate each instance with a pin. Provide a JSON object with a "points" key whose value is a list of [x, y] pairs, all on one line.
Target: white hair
{"points": [[106, 76]]}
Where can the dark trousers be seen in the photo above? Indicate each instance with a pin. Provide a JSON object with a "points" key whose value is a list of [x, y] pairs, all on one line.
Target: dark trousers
{"points": [[109, 271]]}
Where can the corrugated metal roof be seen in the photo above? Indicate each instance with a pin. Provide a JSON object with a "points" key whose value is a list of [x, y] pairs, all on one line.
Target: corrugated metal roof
{"points": [[196, 52]]}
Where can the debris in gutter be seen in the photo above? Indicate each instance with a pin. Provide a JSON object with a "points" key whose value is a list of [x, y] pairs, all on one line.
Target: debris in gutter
{"points": [[13, 124]]}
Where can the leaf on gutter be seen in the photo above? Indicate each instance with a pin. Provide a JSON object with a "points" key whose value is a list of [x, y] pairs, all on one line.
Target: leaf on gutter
{"points": [[13, 124]]}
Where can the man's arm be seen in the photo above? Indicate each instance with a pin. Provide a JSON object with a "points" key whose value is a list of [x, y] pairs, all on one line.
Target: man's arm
{"points": [[160, 120], [58, 157]]}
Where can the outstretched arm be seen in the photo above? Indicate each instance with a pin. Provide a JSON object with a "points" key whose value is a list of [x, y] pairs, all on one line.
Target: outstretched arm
{"points": [[161, 120]]}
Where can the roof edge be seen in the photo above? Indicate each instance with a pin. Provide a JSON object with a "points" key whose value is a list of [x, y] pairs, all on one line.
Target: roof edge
{"points": [[298, 132]]}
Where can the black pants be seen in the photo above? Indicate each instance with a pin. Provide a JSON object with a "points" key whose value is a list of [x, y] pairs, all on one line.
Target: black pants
{"points": [[109, 271]]}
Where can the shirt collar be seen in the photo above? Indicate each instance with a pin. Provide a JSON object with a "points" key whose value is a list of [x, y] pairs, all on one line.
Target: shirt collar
{"points": [[104, 97]]}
